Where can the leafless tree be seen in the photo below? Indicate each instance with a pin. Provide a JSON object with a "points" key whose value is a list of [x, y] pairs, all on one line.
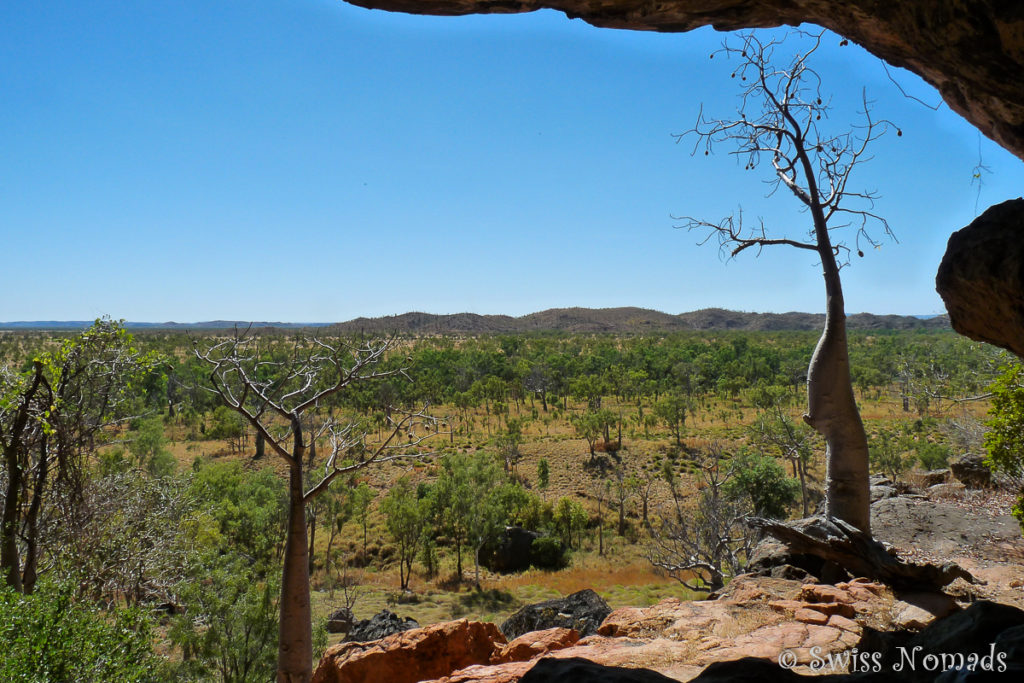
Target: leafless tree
{"points": [[781, 122], [276, 390], [702, 538]]}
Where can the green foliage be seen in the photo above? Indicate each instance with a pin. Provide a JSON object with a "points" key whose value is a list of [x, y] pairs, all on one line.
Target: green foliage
{"points": [[543, 474], [226, 424], [762, 479], [570, 517], [48, 636], [147, 444], [249, 508], [405, 519], [547, 553], [672, 410], [1004, 441], [228, 632], [932, 456], [885, 455]]}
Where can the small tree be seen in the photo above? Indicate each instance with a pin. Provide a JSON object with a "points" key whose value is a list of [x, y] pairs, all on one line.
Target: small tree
{"points": [[543, 474], [776, 430], [405, 516], [703, 538], [781, 122], [276, 391], [1005, 440], [672, 410], [763, 481]]}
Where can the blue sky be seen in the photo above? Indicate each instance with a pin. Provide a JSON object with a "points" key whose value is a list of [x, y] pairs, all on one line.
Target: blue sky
{"points": [[306, 160]]}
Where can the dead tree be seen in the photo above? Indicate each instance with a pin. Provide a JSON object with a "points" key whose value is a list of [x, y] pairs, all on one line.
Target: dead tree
{"points": [[703, 537], [781, 122], [277, 391]]}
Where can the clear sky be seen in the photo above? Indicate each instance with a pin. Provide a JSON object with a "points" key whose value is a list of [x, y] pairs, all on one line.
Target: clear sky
{"points": [[306, 160]]}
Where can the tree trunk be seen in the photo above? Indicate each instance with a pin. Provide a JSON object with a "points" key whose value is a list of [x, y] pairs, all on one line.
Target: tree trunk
{"points": [[295, 636], [30, 573], [312, 538], [9, 559], [831, 406], [260, 445]]}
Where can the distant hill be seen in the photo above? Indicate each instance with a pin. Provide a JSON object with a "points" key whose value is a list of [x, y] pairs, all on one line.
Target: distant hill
{"points": [[625, 320]]}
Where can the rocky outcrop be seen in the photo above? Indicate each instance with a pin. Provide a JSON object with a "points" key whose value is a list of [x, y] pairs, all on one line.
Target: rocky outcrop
{"points": [[411, 656], [536, 643], [972, 472], [582, 611], [738, 637], [972, 52], [380, 625], [981, 277], [340, 621]]}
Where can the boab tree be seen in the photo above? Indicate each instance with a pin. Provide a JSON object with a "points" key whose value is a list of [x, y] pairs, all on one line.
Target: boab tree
{"points": [[278, 392], [781, 122]]}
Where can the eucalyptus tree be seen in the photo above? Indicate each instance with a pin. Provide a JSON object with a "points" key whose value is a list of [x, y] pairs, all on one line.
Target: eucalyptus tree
{"points": [[277, 389], [782, 122]]}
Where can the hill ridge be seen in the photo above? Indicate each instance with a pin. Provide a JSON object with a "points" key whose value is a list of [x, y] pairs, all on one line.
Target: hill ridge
{"points": [[617, 320]]}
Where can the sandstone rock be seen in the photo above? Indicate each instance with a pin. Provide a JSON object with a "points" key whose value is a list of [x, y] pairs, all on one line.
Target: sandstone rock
{"points": [[411, 656], [810, 616], [825, 593], [841, 622], [509, 672], [934, 477], [981, 277], [536, 643], [583, 611], [914, 611], [380, 625], [551, 670], [972, 471]]}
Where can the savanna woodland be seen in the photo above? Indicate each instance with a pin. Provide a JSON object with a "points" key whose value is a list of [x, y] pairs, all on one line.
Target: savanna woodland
{"points": [[224, 504], [156, 484]]}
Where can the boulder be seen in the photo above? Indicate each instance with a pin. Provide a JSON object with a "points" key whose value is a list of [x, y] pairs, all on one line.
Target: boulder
{"points": [[934, 477], [880, 491], [981, 277], [380, 625], [582, 611], [410, 656], [972, 472], [914, 611], [536, 643], [975, 629], [340, 621]]}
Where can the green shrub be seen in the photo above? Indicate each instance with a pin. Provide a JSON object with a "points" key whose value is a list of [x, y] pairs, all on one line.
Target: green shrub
{"points": [[547, 552], [49, 637], [932, 456]]}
